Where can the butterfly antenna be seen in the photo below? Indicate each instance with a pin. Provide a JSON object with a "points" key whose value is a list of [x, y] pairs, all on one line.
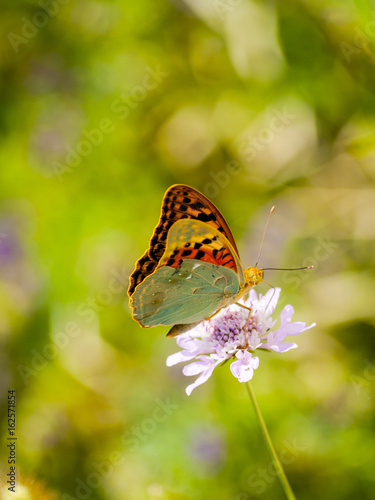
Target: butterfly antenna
{"points": [[285, 269], [264, 234]]}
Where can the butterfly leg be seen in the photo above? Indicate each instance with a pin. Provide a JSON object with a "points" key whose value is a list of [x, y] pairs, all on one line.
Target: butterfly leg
{"points": [[238, 304], [212, 315], [241, 305], [248, 318]]}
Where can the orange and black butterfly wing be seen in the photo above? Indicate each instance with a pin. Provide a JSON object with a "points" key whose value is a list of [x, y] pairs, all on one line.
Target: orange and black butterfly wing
{"points": [[179, 202], [193, 239], [183, 291]]}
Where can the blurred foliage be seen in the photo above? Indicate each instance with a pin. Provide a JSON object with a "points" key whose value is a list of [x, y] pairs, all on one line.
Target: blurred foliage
{"points": [[105, 104]]}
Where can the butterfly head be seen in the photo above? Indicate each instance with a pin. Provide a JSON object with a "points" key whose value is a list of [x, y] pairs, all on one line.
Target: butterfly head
{"points": [[253, 276]]}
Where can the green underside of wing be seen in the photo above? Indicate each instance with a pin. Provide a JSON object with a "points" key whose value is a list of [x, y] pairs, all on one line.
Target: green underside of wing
{"points": [[184, 295]]}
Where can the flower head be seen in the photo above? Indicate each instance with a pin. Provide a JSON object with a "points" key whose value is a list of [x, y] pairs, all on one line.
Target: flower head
{"points": [[236, 332]]}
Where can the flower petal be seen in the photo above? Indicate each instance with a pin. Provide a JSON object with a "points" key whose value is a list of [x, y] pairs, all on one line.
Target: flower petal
{"points": [[280, 347], [205, 368], [244, 367], [292, 328], [286, 314], [192, 347], [253, 298], [270, 300], [197, 366], [179, 357], [298, 327]]}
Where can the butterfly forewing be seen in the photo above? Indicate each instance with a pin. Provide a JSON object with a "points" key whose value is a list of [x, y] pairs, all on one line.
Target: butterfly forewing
{"points": [[183, 295], [180, 202]]}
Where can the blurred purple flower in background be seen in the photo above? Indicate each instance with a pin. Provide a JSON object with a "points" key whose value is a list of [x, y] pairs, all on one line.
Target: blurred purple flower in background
{"points": [[207, 448], [21, 278]]}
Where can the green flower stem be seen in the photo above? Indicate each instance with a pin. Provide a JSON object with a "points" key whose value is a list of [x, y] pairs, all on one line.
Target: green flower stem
{"points": [[278, 467]]}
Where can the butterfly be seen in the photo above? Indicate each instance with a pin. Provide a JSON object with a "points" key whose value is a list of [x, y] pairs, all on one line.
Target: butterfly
{"points": [[191, 269]]}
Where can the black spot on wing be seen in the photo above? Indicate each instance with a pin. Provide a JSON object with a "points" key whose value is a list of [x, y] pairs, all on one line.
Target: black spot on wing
{"points": [[197, 205], [226, 260], [205, 217]]}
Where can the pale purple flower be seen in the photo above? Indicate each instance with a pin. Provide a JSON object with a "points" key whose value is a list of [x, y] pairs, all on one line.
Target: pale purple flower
{"points": [[232, 333]]}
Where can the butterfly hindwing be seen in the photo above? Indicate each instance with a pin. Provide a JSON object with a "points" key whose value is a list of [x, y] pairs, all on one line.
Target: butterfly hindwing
{"points": [[184, 295], [193, 239], [179, 202]]}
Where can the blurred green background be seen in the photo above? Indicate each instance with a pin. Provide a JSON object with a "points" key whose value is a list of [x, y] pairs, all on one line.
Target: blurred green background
{"points": [[104, 105]]}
